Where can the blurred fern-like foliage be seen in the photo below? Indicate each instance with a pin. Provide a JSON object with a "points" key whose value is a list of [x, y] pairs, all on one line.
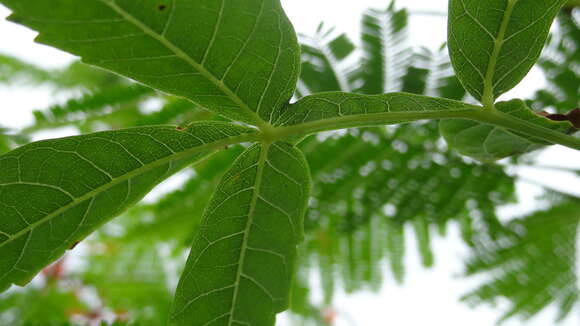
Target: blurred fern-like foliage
{"points": [[531, 263], [368, 198]]}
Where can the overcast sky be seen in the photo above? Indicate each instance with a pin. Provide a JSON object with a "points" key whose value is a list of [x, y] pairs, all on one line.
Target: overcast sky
{"points": [[429, 297]]}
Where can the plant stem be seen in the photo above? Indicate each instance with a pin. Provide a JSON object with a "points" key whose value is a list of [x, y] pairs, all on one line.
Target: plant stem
{"points": [[488, 96], [494, 117], [366, 120]]}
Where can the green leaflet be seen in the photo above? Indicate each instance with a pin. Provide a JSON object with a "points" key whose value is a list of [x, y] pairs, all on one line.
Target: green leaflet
{"points": [[494, 43], [335, 110], [487, 143], [53, 193], [242, 261], [200, 50]]}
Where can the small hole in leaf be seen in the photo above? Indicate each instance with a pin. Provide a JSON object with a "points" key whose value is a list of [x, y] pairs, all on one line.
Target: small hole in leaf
{"points": [[161, 7]]}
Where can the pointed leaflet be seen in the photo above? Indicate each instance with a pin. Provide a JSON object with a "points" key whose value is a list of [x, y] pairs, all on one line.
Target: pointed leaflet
{"points": [[241, 264], [352, 110], [53, 193], [239, 58], [486, 142], [494, 43]]}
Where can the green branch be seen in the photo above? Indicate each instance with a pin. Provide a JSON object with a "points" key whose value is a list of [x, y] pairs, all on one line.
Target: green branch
{"points": [[495, 118]]}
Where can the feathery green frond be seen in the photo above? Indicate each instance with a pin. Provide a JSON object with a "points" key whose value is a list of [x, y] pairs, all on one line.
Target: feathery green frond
{"points": [[533, 263], [91, 104], [14, 70], [387, 53], [558, 61], [371, 189], [326, 62]]}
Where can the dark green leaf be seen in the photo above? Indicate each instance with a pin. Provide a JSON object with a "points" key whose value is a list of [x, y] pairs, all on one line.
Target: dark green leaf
{"points": [[242, 261], [200, 50], [73, 185], [494, 43]]}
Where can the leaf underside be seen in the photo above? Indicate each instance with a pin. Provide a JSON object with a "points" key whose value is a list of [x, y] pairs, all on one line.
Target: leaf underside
{"points": [[200, 50], [488, 143], [494, 43], [241, 264], [53, 193], [332, 105]]}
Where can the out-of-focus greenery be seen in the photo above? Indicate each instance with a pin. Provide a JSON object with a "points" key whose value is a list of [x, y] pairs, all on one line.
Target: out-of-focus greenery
{"points": [[367, 196]]}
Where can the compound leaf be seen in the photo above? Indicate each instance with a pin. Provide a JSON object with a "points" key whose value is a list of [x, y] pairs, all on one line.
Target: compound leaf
{"points": [[493, 44], [487, 143], [201, 50], [241, 264], [53, 193]]}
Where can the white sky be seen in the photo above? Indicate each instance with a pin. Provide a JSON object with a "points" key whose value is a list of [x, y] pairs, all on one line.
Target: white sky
{"points": [[428, 297]]}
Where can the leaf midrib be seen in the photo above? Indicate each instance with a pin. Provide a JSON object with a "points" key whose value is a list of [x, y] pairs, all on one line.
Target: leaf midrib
{"points": [[371, 119], [488, 97], [264, 148], [130, 175], [188, 59]]}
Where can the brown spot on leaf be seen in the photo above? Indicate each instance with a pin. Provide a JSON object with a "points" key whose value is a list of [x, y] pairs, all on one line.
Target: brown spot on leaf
{"points": [[161, 7], [73, 245], [180, 128]]}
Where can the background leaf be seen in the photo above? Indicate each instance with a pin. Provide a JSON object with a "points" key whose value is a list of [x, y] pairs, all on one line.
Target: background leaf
{"points": [[532, 263], [387, 52]]}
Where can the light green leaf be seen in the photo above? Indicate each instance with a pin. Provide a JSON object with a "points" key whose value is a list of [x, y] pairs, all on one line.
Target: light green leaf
{"points": [[53, 193], [494, 43], [335, 110], [239, 58], [487, 143], [241, 264]]}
